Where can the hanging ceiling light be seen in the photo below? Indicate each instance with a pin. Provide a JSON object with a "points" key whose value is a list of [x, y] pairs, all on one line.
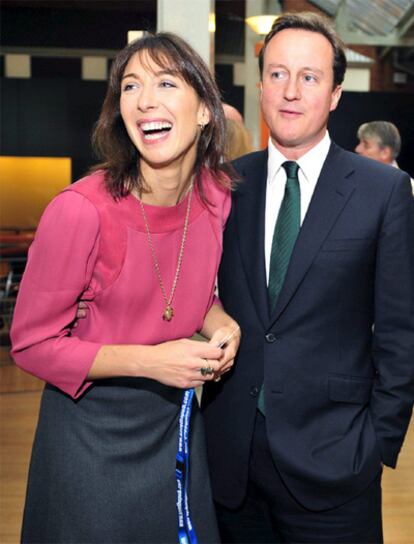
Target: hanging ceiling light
{"points": [[261, 24], [212, 22]]}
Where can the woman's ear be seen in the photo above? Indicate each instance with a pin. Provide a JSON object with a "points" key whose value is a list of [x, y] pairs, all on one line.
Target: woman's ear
{"points": [[204, 116]]}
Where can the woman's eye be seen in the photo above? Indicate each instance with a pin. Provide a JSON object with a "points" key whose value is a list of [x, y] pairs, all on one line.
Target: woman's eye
{"points": [[167, 84], [129, 87]]}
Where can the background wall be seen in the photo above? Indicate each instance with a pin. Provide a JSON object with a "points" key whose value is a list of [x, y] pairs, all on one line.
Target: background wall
{"points": [[55, 117], [50, 118], [357, 108]]}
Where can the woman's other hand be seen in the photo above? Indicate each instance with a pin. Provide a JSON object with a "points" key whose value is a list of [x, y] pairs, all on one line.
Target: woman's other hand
{"points": [[228, 339]]}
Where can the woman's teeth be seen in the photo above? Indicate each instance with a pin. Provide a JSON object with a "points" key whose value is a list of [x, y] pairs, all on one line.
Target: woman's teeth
{"points": [[155, 129]]}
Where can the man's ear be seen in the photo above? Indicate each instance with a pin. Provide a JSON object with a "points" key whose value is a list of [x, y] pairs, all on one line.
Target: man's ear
{"points": [[336, 95], [386, 155]]}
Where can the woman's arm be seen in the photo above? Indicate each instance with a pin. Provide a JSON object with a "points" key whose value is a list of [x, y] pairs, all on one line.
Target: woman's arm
{"points": [[176, 363], [59, 268]]}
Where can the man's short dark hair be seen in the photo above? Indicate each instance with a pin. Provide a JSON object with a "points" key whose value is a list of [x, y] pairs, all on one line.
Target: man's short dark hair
{"points": [[313, 23]]}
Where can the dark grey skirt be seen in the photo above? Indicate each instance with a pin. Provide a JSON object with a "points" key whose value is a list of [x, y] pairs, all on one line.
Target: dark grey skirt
{"points": [[103, 467]]}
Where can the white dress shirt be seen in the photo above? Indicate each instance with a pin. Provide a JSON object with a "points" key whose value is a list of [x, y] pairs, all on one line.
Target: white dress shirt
{"points": [[310, 166], [395, 165]]}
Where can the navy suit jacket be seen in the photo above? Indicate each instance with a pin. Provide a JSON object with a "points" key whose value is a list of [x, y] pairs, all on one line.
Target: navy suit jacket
{"points": [[337, 355]]}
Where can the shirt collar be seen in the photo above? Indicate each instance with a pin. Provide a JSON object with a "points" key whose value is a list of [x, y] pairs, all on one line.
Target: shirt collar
{"points": [[310, 164]]}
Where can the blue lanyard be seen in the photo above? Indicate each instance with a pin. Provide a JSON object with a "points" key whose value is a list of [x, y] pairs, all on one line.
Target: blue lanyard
{"points": [[186, 532]]}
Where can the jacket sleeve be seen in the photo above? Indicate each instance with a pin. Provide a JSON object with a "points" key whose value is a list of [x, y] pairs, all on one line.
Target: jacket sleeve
{"points": [[58, 270], [393, 341], [225, 207]]}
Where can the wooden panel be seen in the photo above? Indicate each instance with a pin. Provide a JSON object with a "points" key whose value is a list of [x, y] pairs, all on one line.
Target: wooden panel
{"points": [[27, 184], [18, 416]]}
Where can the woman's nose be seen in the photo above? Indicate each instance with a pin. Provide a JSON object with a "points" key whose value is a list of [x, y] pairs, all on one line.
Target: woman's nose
{"points": [[147, 98]]}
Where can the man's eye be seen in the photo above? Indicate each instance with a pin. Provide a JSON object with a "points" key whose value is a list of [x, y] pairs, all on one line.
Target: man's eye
{"points": [[309, 78], [278, 75]]}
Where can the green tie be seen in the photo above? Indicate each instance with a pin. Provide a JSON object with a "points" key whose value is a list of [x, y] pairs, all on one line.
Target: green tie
{"points": [[284, 238]]}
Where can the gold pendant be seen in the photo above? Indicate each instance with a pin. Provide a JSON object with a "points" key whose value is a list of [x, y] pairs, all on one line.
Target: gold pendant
{"points": [[168, 313]]}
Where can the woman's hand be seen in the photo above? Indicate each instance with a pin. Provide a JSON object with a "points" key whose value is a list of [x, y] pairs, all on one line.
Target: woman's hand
{"points": [[227, 338], [223, 332], [178, 363]]}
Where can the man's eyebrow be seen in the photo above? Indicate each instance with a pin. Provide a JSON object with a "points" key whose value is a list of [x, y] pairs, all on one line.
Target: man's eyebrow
{"points": [[276, 65], [313, 69], [304, 68]]}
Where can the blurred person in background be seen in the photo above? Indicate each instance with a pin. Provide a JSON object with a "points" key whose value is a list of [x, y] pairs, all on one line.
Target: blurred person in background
{"points": [[230, 112], [238, 138], [381, 141]]}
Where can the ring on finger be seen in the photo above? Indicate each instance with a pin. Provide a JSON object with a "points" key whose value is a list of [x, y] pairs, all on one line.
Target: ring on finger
{"points": [[206, 370]]}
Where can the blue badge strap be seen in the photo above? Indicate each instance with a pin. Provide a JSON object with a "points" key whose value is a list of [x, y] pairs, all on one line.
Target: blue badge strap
{"points": [[187, 419], [186, 533]]}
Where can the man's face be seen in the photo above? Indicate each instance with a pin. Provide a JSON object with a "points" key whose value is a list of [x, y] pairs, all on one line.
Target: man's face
{"points": [[369, 147], [297, 90]]}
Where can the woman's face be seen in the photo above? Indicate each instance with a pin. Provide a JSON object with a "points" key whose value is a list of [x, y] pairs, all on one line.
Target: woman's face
{"points": [[161, 112]]}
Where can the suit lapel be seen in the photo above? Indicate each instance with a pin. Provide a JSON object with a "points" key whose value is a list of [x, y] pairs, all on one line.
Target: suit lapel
{"points": [[250, 214], [332, 191]]}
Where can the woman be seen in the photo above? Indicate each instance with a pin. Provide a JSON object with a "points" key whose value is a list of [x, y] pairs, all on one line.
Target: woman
{"points": [[140, 241]]}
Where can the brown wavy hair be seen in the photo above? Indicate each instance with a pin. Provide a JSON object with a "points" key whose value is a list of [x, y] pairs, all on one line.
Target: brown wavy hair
{"points": [[110, 140]]}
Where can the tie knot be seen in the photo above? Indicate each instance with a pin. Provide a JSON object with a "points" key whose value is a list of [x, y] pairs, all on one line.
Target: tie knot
{"points": [[291, 169]]}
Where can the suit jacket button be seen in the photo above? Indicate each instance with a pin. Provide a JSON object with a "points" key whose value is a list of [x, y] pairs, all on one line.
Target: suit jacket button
{"points": [[254, 391], [270, 338]]}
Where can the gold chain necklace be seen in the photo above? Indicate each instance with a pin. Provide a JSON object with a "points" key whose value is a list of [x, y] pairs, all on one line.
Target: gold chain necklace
{"points": [[169, 310]]}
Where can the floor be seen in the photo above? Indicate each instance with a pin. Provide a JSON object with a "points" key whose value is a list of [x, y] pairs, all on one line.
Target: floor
{"points": [[19, 403]]}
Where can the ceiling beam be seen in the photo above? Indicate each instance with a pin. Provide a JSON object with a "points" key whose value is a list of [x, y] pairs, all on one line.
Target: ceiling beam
{"points": [[58, 52], [407, 23], [396, 38]]}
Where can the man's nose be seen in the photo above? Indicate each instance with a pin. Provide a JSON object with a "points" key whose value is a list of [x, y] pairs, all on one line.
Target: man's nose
{"points": [[292, 89]]}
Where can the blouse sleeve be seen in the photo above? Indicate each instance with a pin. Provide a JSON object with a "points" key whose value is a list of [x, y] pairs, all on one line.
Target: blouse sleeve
{"points": [[59, 268]]}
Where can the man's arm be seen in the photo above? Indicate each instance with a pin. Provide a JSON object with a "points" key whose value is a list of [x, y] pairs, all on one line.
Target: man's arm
{"points": [[393, 342]]}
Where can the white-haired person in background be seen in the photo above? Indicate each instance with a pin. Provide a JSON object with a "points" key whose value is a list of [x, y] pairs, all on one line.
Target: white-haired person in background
{"points": [[381, 141]]}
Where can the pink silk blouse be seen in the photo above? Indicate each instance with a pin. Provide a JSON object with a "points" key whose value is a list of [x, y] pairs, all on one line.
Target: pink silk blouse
{"points": [[89, 246]]}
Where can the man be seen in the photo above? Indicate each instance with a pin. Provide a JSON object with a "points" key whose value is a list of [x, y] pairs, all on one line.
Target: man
{"points": [[381, 141], [321, 393]]}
